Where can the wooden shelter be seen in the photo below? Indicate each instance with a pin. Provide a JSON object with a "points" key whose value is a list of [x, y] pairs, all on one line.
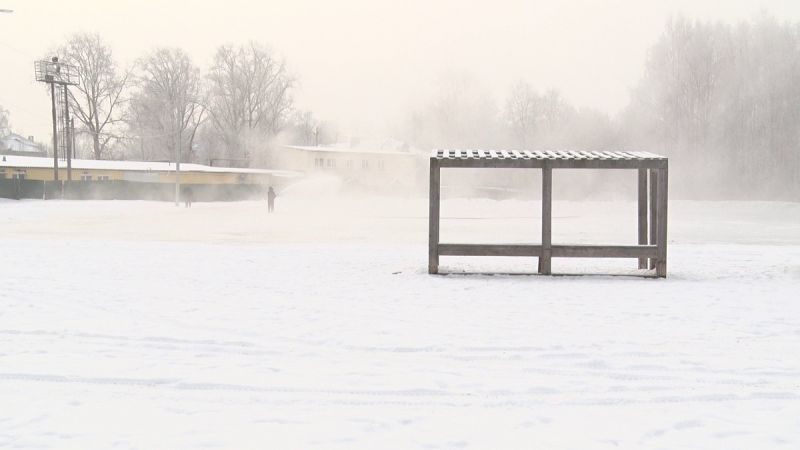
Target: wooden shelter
{"points": [[652, 233]]}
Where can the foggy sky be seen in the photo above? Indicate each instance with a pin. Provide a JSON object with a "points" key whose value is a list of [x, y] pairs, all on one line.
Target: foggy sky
{"points": [[365, 63]]}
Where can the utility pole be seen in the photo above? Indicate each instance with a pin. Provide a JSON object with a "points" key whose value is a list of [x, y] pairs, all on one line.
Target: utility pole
{"points": [[55, 73], [178, 169], [68, 131], [55, 131], [72, 133]]}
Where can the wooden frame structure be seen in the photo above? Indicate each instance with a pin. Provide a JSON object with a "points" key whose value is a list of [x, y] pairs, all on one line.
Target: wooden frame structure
{"points": [[652, 228]]}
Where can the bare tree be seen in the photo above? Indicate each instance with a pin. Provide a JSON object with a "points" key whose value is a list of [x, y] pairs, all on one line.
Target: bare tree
{"points": [[722, 100], [97, 101], [522, 113], [168, 107], [250, 96]]}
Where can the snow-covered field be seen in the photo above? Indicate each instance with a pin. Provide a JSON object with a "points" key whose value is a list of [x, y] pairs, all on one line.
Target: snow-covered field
{"points": [[141, 325]]}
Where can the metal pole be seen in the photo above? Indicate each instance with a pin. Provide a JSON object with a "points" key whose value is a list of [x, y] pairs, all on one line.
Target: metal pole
{"points": [[55, 132], [178, 169], [68, 130], [72, 133]]}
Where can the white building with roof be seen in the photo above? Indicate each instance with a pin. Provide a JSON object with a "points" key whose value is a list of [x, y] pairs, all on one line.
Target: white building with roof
{"points": [[41, 169], [387, 164], [15, 144]]}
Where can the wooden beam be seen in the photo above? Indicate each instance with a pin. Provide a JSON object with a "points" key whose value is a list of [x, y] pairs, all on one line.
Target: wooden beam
{"points": [[604, 251], [434, 199], [653, 217], [661, 206], [522, 163], [547, 219], [490, 250], [642, 213]]}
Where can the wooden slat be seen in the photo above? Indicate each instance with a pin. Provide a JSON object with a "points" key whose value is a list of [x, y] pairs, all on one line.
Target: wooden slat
{"points": [[630, 155], [619, 155], [561, 155], [604, 251], [489, 250], [559, 251], [517, 163]]}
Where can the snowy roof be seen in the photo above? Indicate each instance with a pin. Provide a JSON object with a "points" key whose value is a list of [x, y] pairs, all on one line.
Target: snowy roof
{"points": [[541, 155], [139, 166]]}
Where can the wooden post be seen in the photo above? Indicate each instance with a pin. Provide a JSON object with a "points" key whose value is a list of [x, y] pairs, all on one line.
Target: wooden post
{"points": [[661, 206], [547, 219], [653, 215], [642, 198], [433, 217]]}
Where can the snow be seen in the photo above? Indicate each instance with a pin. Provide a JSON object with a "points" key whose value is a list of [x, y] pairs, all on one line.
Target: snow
{"points": [[142, 325]]}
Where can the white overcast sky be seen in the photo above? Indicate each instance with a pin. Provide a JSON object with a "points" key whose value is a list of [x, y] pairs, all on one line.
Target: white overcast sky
{"points": [[363, 63]]}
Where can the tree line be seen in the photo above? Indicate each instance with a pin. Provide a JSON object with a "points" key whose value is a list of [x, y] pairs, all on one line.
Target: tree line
{"points": [[721, 100], [165, 105]]}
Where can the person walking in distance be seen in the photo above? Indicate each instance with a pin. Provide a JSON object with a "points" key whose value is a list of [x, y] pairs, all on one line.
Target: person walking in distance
{"points": [[271, 199], [188, 196]]}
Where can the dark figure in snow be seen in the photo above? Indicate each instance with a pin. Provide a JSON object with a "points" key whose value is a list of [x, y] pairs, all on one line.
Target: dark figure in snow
{"points": [[271, 199], [188, 197]]}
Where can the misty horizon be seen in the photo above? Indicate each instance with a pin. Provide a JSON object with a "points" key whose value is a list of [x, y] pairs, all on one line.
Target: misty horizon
{"points": [[367, 66]]}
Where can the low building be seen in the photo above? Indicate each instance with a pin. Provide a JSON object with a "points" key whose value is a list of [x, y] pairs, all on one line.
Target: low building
{"points": [[32, 177], [41, 169], [369, 166], [15, 144]]}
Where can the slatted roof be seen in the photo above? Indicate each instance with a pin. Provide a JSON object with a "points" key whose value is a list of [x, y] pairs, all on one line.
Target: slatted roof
{"points": [[562, 155]]}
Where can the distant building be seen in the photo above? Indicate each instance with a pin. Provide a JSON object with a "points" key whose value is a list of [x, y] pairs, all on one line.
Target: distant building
{"points": [[383, 165], [15, 144], [41, 169]]}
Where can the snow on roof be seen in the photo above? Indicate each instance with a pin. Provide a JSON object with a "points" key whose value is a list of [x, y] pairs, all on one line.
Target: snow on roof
{"points": [[139, 166]]}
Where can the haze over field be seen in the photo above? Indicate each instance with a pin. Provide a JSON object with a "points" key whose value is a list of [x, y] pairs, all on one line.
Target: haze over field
{"points": [[365, 63], [709, 84]]}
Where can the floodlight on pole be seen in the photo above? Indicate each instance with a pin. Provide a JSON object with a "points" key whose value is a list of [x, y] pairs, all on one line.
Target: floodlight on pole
{"points": [[54, 72]]}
